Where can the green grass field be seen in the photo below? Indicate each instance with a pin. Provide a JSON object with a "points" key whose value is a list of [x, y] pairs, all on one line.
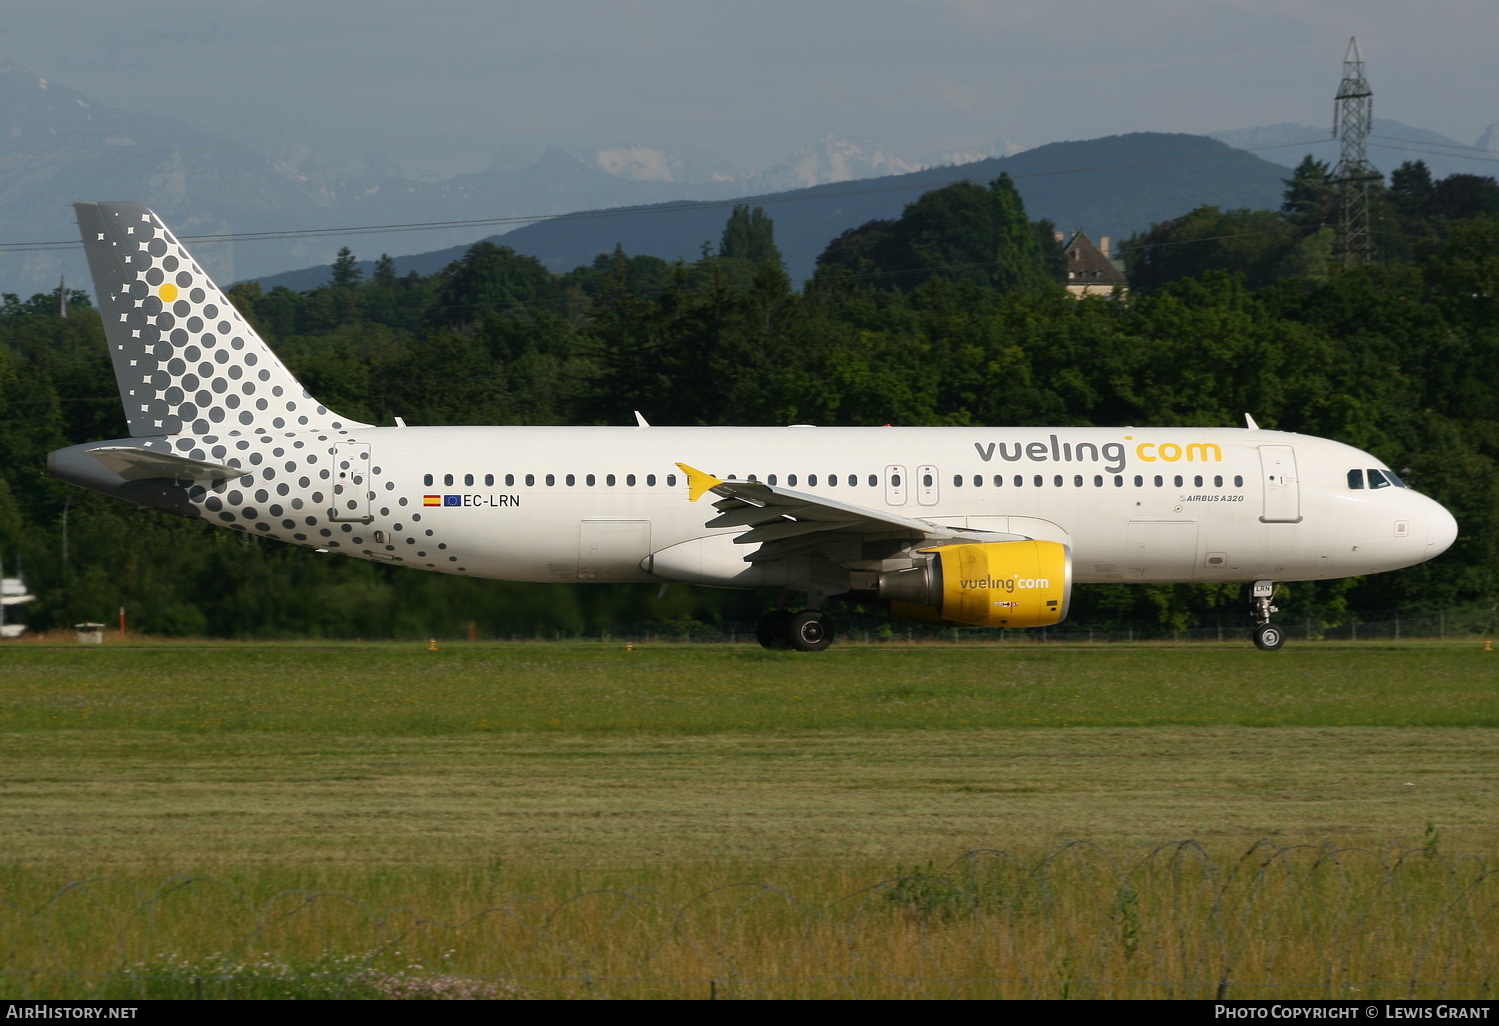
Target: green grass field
{"points": [[590, 820]]}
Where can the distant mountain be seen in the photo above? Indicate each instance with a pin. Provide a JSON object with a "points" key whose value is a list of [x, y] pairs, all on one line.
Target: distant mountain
{"points": [[1002, 147], [58, 146], [1114, 186], [642, 163], [831, 160], [1390, 144]]}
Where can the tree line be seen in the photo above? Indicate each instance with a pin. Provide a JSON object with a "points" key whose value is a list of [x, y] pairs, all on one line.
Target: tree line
{"points": [[953, 314]]}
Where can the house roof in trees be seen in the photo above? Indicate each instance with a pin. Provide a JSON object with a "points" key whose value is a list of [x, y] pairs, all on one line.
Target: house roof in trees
{"points": [[1089, 269]]}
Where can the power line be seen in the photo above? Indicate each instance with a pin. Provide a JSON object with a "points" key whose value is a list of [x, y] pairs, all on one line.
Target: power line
{"points": [[684, 206]]}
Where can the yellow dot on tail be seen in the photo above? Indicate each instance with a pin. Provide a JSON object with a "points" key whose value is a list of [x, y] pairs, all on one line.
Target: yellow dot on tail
{"points": [[167, 292]]}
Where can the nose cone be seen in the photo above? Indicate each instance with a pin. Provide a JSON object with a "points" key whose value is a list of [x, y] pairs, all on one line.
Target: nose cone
{"points": [[1441, 530]]}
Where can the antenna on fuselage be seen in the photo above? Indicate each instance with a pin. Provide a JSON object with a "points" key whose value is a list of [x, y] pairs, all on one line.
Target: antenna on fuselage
{"points": [[1249, 423]]}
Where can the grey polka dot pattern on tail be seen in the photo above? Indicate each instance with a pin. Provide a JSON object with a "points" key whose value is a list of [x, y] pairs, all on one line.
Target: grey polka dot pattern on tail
{"points": [[163, 317]]}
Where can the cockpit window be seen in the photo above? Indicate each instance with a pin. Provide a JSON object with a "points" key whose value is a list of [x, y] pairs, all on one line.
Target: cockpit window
{"points": [[1377, 478], [1356, 479]]}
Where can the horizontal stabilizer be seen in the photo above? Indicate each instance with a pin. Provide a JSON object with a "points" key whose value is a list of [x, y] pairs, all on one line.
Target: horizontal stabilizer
{"points": [[143, 465]]}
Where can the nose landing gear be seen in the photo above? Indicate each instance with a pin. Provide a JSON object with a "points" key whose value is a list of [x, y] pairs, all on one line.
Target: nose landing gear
{"points": [[1267, 636]]}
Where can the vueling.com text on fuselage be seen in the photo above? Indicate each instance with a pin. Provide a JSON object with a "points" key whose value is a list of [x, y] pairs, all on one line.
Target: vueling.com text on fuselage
{"points": [[1113, 453]]}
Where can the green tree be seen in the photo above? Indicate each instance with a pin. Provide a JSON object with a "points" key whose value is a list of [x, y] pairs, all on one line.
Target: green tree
{"points": [[750, 236], [346, 272], [1310, 196], [963, 232]]}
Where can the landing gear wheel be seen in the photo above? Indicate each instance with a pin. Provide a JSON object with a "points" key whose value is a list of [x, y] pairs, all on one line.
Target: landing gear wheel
{"points": [[810, 631], [774, 629], [1268, 637]]}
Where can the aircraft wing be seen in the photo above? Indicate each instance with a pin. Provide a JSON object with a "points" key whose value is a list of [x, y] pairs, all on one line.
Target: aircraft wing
{"points": [[143, 465], [784, 523]]}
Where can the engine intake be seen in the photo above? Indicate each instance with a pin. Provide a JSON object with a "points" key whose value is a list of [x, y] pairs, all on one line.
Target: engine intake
{"points": [[987, 584]]}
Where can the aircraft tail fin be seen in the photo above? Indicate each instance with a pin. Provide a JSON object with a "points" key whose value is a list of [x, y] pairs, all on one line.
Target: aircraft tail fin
{"points": [[185, 360]]}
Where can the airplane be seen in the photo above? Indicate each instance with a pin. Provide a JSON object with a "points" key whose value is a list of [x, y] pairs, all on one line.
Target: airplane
{"points": [[959, 525]]}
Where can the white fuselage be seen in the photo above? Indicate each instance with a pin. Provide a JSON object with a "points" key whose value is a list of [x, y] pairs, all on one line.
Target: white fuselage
{"points": [[609, 504]]}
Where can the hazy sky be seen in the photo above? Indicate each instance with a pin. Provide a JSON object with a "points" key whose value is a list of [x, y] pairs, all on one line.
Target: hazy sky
{"points": [[443, 85]]}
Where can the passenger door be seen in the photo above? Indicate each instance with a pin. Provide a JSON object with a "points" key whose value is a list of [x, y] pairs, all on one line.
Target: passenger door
{"points": [[1282, 491]]}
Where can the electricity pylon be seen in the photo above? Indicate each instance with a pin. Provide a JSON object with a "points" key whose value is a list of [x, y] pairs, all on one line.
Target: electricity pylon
{"points": [[1353, 119]]}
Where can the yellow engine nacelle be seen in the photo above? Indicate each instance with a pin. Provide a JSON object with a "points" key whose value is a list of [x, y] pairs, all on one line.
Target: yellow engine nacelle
{"points": [[987, 584]]}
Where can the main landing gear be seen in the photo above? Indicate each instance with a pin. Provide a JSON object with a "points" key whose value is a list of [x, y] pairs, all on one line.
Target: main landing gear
{"points": [[1267, 636], [806, 631]]}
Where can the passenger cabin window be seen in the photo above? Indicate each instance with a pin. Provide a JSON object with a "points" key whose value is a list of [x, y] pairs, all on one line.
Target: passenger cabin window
{"points": [[509, 480], [489, 480], [978, 480], [630, 480], [589, 480], [530, 480], [551, 480], [957, 480], [771, 480], [427, 480], [874, 480], [811, 480], [447, 479], [671, 480], [609, 480], [650, 480], [790, 480], [468, 480]]}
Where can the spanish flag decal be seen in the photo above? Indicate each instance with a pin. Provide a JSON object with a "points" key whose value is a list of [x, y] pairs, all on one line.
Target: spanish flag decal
{"points": [[431, 500]]}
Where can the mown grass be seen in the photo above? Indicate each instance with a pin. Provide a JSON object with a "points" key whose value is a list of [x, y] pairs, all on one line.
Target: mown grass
{"points": [[573, 820], [663, 689]]}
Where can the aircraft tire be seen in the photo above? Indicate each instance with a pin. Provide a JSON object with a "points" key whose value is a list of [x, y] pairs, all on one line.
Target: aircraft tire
{"points": [[1269, 638], [810, 631], [774, 629]]}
